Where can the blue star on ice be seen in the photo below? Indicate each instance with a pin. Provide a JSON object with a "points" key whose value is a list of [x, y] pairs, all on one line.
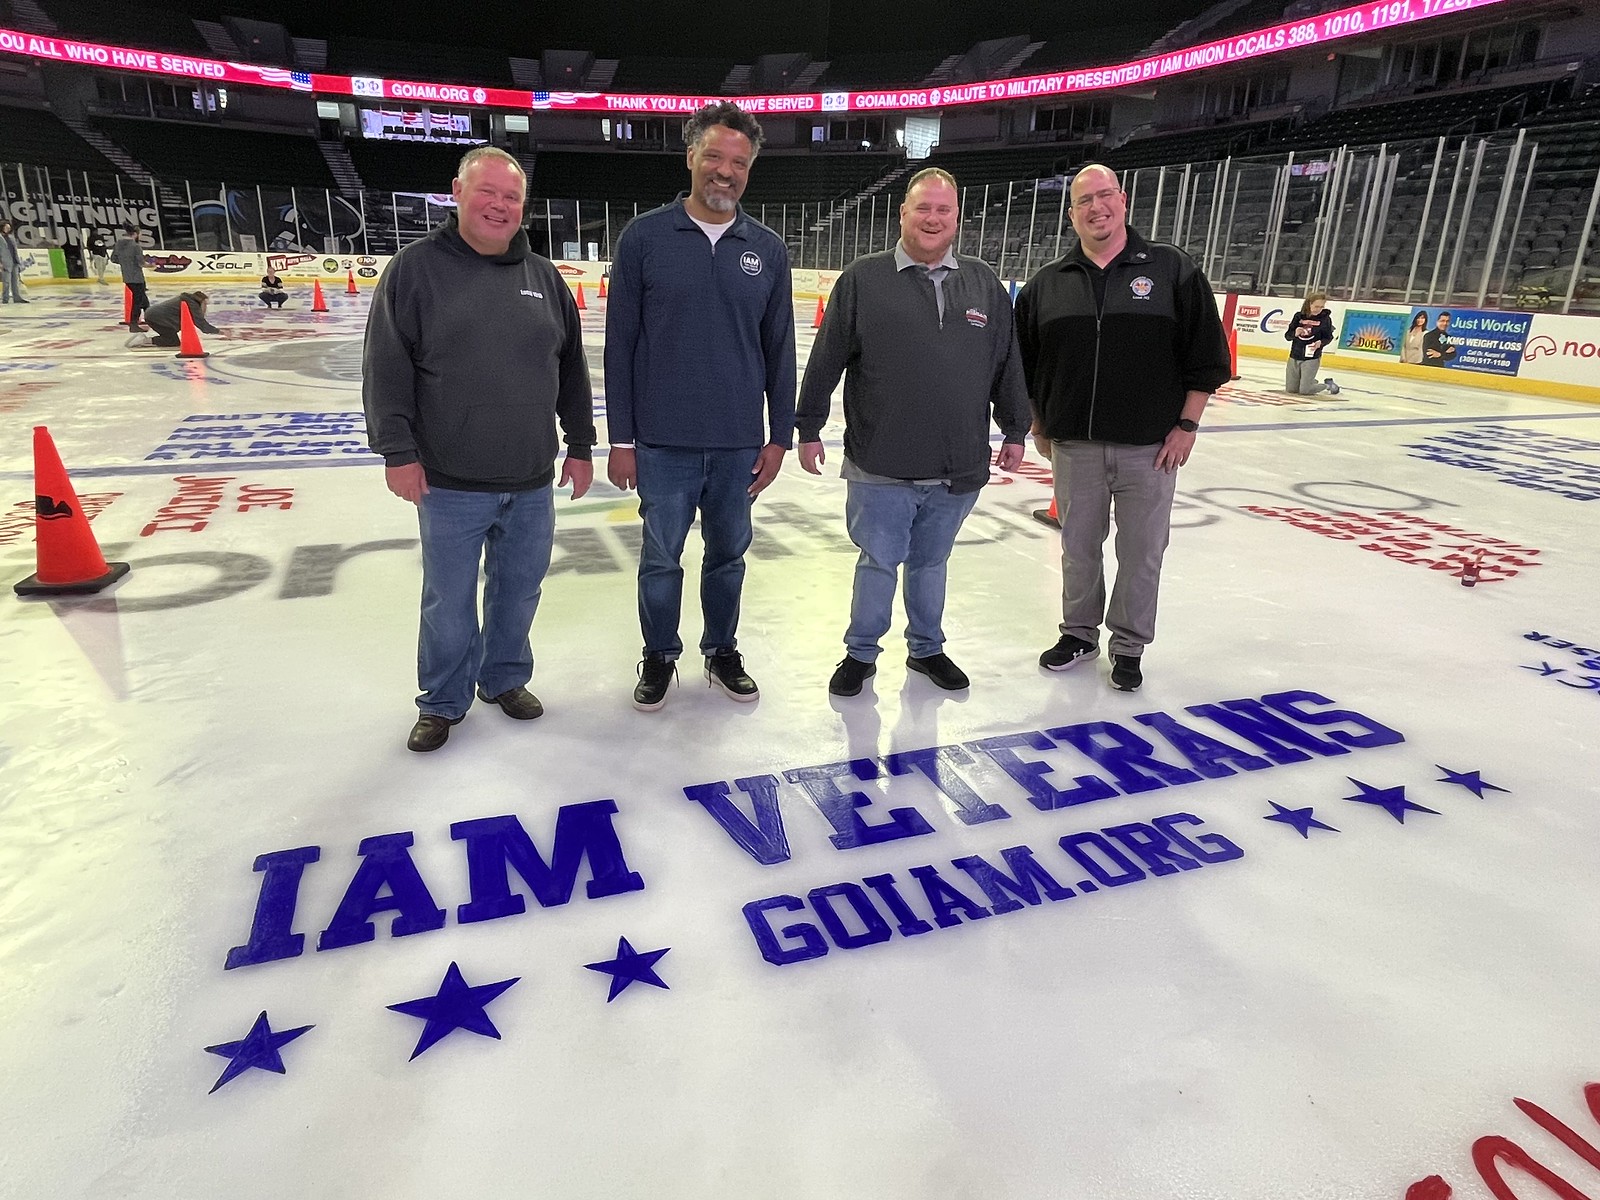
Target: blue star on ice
{"points": [[628, 967], [1298, 819], [1392, 800], [1471, 780], [258, 1048], [456, 1005]]}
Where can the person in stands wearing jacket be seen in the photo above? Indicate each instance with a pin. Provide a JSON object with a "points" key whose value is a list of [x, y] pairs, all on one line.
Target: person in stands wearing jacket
{"points": [[925, 341], [1310, 331], [1121, 348], [473, 353], [700, 375]]}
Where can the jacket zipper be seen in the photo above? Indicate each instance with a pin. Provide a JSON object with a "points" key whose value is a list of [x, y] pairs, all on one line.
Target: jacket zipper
{"points": [[1094, 386]]}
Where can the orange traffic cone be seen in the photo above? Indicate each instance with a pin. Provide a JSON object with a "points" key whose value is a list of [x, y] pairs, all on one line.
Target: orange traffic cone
{"points": [[602, 294], [350, 284], [188, 336], [1048, 516], [582, 307], [318, 304], [816, 321], [1233, 351], [69, 559], [127, 305]]}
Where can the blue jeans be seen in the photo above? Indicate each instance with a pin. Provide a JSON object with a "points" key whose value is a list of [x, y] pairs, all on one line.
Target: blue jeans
{"points": [[512, 534], [673, 484], [10, 277], [895, 523]]}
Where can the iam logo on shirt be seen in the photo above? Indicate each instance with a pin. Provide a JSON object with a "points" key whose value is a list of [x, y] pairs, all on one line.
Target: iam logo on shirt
{"points": [[974, 317], [751, 262], [1142, 287]]}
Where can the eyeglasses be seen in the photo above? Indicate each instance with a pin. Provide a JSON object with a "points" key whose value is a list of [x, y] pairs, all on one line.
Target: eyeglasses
{"points": [[1085, 201]]}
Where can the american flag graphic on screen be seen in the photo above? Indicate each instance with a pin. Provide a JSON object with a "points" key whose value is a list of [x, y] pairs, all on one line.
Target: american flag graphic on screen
{"points": [[300, 81], [553, 99]]}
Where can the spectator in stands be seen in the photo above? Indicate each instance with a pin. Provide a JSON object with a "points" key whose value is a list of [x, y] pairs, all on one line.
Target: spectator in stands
{"points": [[99, 255], [473, 353], [166, 320], [129, 257], [1121, 348], [1438, 350], [925, 341], [272, 289], [700, 377], [10, 266], [1411, 346], [1309, 331]]}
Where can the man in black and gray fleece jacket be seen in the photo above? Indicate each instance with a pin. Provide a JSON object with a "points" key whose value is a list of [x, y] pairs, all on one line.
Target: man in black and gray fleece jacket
{"points": [[473, 352], [1122, 347], [925, 342]]}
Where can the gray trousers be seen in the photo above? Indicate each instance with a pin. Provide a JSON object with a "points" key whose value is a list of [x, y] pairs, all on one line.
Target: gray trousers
{"points": [[1301, 377], [1093, 480]]}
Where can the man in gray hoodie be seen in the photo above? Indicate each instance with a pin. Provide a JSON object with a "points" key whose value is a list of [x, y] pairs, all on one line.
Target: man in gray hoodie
{"points": [[473, 353]]}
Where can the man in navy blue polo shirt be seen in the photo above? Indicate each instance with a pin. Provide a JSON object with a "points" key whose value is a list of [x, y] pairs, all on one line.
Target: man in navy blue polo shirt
{"points": [[699, 389]]}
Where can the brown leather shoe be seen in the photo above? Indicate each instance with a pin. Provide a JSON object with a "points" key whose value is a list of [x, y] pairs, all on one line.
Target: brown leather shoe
{"points": [[430, 732], [519, 702]]}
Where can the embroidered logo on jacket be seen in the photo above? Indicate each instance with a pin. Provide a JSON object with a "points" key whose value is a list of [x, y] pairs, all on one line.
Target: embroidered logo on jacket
{"points": [[750, 261], [1142, 287], [974, 317]]}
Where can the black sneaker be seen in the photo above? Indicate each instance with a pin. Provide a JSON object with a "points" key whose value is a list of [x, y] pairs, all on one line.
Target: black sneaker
{"points": [[1067, 653], [1125, 673], [941, 670], [655, 673], [850, 675], [725, 669]]}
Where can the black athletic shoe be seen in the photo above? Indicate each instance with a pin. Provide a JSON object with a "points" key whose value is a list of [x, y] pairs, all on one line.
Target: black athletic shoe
{"points": [[655, 674], [850, 675], [725, 669], [1067, 653], [1125, 673], [941, 670]]}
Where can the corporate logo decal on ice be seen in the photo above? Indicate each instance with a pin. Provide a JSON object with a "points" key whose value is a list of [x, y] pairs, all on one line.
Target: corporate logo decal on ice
{"points": [[1053, 771]]}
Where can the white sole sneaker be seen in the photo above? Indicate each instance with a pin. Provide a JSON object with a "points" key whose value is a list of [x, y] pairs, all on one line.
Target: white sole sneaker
{"points": [[712, 679], [1072, 662]]}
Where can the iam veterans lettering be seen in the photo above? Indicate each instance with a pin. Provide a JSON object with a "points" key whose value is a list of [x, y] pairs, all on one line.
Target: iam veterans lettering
{"points": [[1046, 769]]}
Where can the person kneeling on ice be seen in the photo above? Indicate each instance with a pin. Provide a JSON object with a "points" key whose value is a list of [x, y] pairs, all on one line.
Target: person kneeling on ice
{"points": [[165, 319], [272, 290], [1310, 330]]}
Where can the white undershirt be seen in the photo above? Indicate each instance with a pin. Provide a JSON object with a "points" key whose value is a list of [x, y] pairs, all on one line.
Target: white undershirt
{"points": [[712, 231]]}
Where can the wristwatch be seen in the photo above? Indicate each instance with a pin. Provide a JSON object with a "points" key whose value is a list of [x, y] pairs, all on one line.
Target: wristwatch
{"points": [[1187, 425]]}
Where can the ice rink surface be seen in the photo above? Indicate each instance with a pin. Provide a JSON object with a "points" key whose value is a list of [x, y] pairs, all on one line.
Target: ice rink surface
{"points": [[1298, 919]]}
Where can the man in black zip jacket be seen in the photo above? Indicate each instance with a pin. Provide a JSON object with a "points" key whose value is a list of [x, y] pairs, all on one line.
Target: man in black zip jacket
{"points": [[473, 353], [1121, 348]]}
